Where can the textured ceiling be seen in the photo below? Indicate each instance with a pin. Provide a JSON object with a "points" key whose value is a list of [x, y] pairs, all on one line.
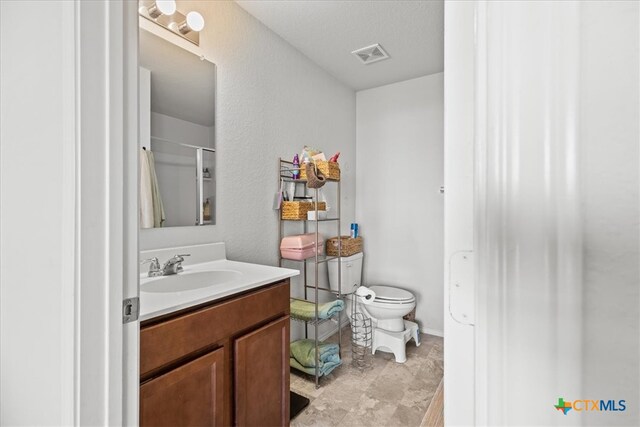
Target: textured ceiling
{"points": [[327, 31], [182, 85]]}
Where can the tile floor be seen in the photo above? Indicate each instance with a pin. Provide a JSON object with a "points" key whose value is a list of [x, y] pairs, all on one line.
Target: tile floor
{"points": [[388, 394]]}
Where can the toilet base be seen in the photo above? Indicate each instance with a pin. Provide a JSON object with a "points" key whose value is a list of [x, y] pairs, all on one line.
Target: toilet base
{"points": [[396, 342]]}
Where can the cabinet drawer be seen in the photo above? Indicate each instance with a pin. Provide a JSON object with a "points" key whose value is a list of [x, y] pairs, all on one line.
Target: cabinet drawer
{"points": [[174, 339]]}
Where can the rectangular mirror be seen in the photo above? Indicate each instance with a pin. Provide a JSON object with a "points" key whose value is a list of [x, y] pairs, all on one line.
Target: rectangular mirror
{"points": [[177, 135]]}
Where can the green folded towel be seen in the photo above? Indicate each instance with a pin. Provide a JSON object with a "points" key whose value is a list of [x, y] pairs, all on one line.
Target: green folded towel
{"points": [[325, 369], [304, 352], [303, 357], [307, 310]]}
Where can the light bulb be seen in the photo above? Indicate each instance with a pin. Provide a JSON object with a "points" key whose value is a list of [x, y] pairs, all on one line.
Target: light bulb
{"points": [[162, 7], [195, 21], [167, 7]]}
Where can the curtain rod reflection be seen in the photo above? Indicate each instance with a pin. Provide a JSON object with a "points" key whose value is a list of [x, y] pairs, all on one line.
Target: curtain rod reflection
{"points": [[195, 147]]}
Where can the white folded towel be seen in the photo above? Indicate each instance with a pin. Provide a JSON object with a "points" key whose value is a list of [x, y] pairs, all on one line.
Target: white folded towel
{"points": [[158, 207], [146, 192]]}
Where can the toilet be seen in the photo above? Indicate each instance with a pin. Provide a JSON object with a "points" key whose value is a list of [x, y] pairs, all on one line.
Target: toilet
{"points": [[390, 331]]}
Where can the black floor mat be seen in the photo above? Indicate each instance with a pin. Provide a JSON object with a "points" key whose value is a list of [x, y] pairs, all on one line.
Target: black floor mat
{"points": [[297, 404]]}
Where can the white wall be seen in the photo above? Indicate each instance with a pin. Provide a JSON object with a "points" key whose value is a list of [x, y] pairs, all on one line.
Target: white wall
{"points": [[610, 179], [36, 293], [271, 101], [398, 205]]}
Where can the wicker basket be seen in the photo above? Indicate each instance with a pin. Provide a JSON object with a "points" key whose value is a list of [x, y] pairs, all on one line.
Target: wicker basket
{"points": [[331, 170], [298, 210], [411, 317], [350, 246]]}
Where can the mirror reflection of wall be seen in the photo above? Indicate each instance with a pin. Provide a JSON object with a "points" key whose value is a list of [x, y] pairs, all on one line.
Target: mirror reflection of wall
{"points": [[177, 126]]}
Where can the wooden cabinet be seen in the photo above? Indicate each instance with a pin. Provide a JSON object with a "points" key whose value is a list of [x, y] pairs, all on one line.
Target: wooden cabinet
{"points": [[223, 363], [189, 395], [262, 376]]}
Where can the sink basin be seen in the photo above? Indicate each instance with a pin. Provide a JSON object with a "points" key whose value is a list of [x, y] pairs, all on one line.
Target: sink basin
{"points": [[189, 281]]}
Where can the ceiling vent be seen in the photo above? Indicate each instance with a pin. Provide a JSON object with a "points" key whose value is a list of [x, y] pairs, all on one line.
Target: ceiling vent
{"points": [[371, 54]]}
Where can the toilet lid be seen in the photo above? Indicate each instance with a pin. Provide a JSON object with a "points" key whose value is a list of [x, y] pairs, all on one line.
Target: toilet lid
{"points": [[388, 293]]}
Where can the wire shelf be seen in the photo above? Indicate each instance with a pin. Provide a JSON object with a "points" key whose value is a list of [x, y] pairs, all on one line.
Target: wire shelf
{"points": [[310, 321], [313, 220], [287, 173], [321, 259]]}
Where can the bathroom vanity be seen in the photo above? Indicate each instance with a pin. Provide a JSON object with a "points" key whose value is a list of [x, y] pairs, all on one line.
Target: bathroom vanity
{"points": [[219, 354]]}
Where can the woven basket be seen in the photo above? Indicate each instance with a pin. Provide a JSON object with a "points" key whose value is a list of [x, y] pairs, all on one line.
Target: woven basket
{"points": [[349, 246], [411, 317], [298, 210], [331, 170]]}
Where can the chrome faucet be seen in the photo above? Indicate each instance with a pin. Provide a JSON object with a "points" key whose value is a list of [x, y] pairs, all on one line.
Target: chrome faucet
{"points": [[154, 267], [172, 266]]}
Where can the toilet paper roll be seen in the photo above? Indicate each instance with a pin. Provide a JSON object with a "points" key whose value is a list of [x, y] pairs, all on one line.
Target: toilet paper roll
{"points": [[365, 295]]}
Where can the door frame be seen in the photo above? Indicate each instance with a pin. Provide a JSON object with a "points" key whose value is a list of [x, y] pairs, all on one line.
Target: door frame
{"points": [[131, 285], [460, 163], [106, 211]]}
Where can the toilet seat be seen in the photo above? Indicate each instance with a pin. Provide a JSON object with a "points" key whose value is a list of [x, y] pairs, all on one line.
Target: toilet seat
{"points": [[386, 295]]}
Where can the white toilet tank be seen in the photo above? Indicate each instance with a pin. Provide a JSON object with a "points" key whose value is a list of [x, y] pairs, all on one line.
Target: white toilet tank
{"points": [[351, 273]]}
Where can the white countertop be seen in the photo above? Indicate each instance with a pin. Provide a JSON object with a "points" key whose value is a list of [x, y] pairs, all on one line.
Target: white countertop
{"points": [[153, 304]]}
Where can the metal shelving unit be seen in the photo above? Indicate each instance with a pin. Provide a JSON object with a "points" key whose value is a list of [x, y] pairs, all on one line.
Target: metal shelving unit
{"points": [[285, 173]]}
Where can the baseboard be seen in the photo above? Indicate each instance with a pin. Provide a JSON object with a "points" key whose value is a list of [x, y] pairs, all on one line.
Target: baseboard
{"points": [[435, 332], [323, 336]]}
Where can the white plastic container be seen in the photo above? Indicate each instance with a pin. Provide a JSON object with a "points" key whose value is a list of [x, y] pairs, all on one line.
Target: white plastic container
{"points": [[311, 215]]}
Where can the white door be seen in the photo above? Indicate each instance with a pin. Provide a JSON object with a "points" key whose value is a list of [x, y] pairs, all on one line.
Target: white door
{"points": [[68, 209], [542, 166]]}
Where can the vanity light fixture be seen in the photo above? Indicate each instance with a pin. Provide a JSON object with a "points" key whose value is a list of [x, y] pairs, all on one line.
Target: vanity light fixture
{"points": [[193, 22], [165, 14], [161, 7]]}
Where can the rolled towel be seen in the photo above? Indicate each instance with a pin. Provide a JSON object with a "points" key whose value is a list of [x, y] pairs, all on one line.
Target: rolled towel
{"points": [[307, 310]]}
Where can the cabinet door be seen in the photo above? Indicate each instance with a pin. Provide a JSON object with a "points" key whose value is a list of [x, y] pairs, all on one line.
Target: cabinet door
{"points": [[262, 376], [191, 395]]}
